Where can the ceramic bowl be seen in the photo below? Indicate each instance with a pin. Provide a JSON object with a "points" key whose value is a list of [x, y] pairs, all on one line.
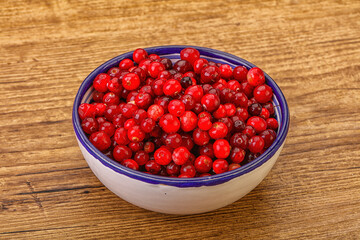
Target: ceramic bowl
{"points": [[180, 195]]}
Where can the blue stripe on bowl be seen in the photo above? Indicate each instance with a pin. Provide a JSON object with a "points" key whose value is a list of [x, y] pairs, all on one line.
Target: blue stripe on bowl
{"points": [[281, 108]]}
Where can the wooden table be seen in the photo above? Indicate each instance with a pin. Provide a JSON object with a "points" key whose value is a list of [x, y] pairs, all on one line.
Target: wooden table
{"points": [[311, 49]]}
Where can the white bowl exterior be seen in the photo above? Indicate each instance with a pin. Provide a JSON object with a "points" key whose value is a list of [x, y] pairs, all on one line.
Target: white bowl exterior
{"points": [[178, 200]]}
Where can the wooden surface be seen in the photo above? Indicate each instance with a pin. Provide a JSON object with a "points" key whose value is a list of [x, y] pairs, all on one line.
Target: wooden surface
{"points": [[311, 49]]}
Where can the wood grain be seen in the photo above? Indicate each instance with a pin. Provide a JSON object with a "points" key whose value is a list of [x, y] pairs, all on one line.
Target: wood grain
{"points": [[311, 49]]}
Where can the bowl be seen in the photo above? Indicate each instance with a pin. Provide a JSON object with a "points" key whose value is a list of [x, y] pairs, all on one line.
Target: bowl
{"points": [[180, 195]]}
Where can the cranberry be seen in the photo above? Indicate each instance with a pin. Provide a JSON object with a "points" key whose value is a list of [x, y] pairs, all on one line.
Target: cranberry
{"points": [[135, 134], [218, 130], [139, 55], [140, 72], [186, 82], [240, 100], [196, 92], [155, 112], [129, 163], [139, 115], [162, 156], [173, 140], [230, 109], [198, 108], [201, 137], [128, 110], [256, 144], [210, 102], [108, 128], [141, 157], [203, 164], [187, 170], [210, 74], [152, 167], [233, 166], [221, 148], [169, 123], [100, 120], [265, 114], [207, 150], [189, 102], [167, 63], [249, 131], [111, 112], [187, 141], [86, 110], [239, 140], [131, 81], [255, 109], [239, 125], [188, 121], [100, 140], [258, 123], [114, 86], [180, 155], [97, 96], [255, 77], [220, 166], [147, 125], [234, 86], [226, 71], [199, 65], [176, 107], [240, 73], [227, 95], [89, 125], [163, 102], [237, 155], [171, 87], [111, 99], [120, 136], [272, 123], [270, 107], [220, 112], [143, 100], [242, 113], [147, 89], [121, 152], [190, 55], [149, 147], [172, 169], [125, 64], [247, 89], [183, 66], [269, 136], [136, 146], [101, 81], [155, 68], [100, 109], [263, 93], [154, 57], [114, 72], [204, 123]]}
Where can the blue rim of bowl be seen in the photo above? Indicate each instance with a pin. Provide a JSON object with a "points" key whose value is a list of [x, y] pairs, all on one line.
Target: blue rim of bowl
{"points": [[182, 182]]}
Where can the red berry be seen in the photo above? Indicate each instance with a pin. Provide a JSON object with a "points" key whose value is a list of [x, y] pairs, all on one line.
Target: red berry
{"points": [[204, 123], [218, 130], [173, 140], [135, 134], [255, 109], [263, 93], [149, 147], [211, 102], [86, 110], [180, 155], [147, 125], [255, 77], [210, 74], [239, 140], [100, 140], [240, 73], [169, 123], [101, 81], [172, 87], [203, 164], [188, 170], [264, 113], [162, 156], [167, 63], [155, 68], [187, 141], [111, 99], [173, 169], [129, 163], [207, 150], [256, 144], [258, 123], [155, 112], [237, 155], [143, 100], [190, 55], [115, 86], [249, 131], [188, 121], [201, 137], [234, 166], [199, 65], [89, 125], [220, 166], [196, 92], [125, 64], [226, 71], [152, 167], [139, 55], [269, 137], [221, 148], [230, 109], [141, 157], [183, 66], [189, 102], [131, 81], [272, 123], [121, 137], [108, 128], [234, 85], [136, 146], [220, 112], [176, 107]]}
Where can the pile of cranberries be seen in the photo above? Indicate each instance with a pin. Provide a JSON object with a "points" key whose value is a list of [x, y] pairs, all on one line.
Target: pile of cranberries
{"points": [[193, 118]]}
